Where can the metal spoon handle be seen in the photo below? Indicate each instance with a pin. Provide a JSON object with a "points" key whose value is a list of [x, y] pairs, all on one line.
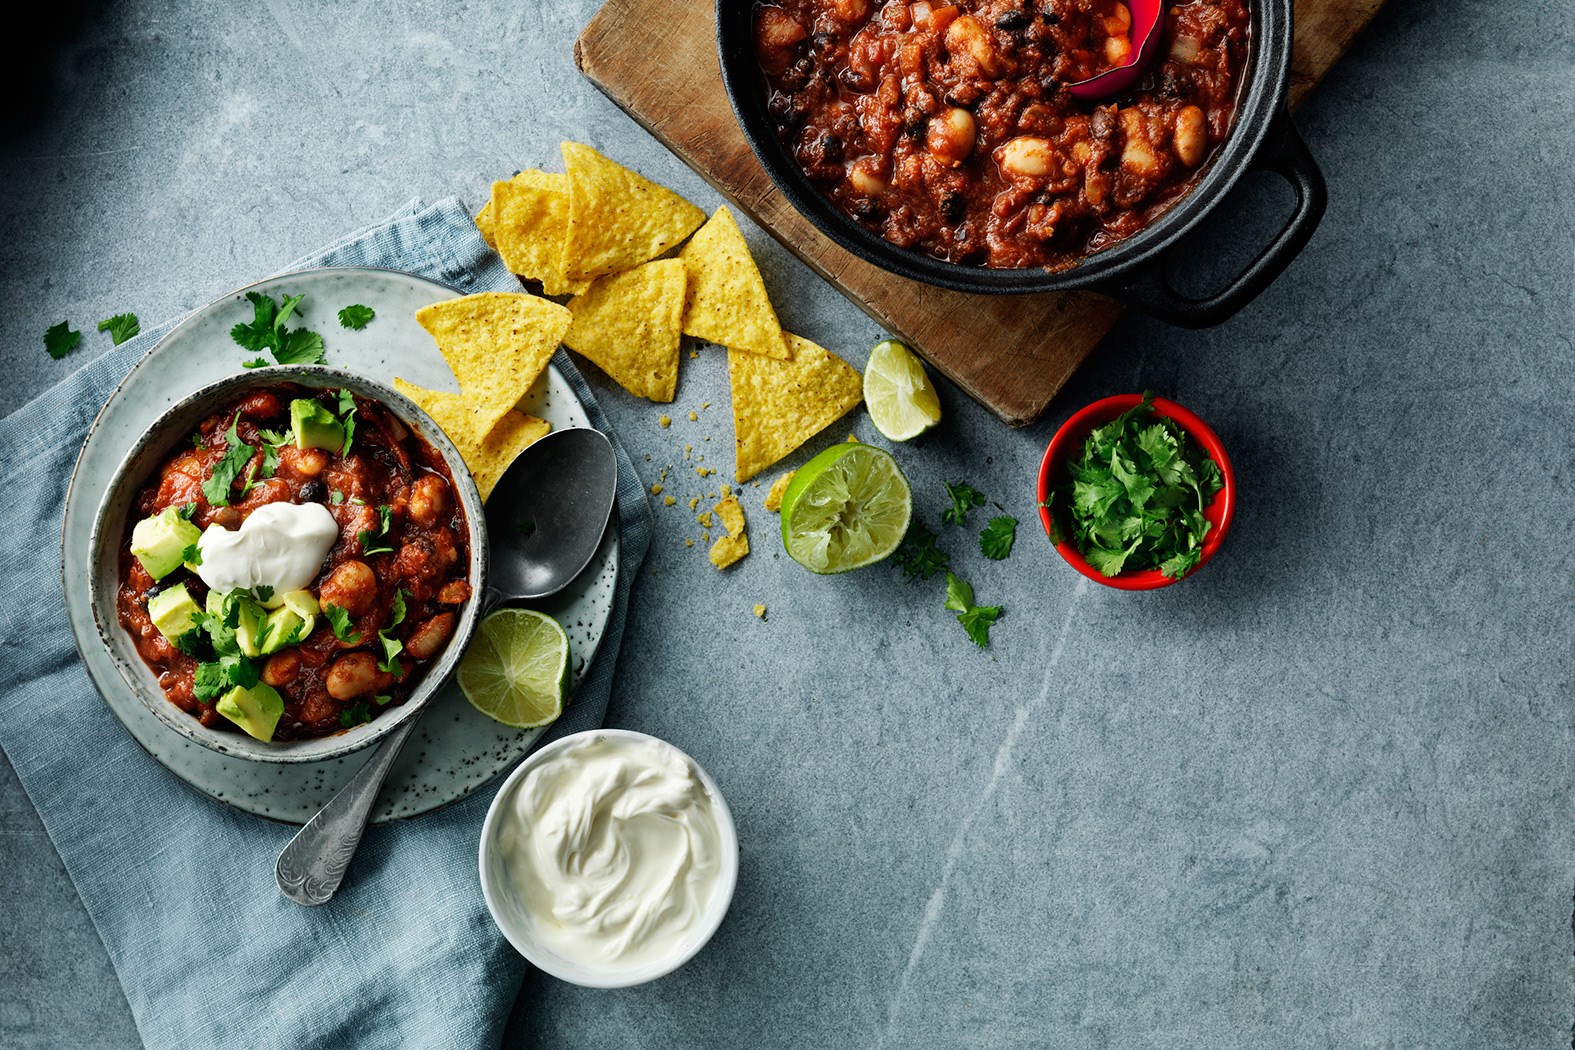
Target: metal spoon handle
{"points": [[313, 864]]}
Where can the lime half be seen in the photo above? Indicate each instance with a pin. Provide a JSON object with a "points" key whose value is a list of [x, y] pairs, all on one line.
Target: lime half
{"points": [[845, 509], [901, 399], [516, 670]]}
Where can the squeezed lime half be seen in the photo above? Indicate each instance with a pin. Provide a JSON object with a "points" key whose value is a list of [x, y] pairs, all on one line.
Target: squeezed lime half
{"points": [[847, 508]]}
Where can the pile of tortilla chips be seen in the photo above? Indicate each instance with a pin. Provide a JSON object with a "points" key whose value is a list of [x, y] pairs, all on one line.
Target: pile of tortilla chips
{"points": [[598, 232]]}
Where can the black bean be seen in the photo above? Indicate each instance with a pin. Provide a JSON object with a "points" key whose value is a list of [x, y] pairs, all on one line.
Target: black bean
{"points": [[314, 491], [830, 148], [867, 211], [953, 207], [914, 122], [1012, 20]]}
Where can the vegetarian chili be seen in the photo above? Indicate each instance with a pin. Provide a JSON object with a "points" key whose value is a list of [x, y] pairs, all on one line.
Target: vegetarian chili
{"points": [[947, 127], [387, 593]]}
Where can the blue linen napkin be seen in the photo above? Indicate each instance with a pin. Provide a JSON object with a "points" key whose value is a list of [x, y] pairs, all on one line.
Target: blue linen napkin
{"points": [[180, 887]]}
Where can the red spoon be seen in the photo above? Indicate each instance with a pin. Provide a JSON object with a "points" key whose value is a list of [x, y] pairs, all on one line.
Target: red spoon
{"points": [[1148, 23]]}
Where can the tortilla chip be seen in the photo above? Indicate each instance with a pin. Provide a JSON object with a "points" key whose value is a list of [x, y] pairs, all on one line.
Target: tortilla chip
{"points": [[730, 548], [617, 219], [778, 487], [628, 324], [530, 221], [489, 457], [727, 302], [496, 344], [779, 405], [484, 224]]}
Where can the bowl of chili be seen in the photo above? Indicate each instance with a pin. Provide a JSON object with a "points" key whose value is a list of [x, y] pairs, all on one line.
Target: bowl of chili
{"points": [[1068, 443], [939, 139], [398, 594]]}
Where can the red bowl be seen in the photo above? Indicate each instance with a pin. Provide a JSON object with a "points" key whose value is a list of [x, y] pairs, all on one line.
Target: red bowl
{"points": [[1068, 442]]}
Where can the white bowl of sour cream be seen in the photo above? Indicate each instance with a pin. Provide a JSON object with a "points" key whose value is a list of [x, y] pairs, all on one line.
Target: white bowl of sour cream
{"points": [[608, 858]]}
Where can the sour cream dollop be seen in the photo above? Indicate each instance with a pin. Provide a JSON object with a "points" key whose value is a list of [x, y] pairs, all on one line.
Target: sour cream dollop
{"points": [[614, 851], [279, 545]]}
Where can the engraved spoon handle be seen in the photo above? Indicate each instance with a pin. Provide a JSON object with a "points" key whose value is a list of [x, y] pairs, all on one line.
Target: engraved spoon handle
{"points": [[312, 866]]}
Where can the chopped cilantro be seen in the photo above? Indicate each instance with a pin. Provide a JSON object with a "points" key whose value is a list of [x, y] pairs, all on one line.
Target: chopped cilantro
{"points": [[1137, 494], [256, 362], [976, 620], [61, 339], [192, 554], [187, 510], [392, 646], [230, 667], [339, 621], [355, 714], [919, 557], [370, 540], [120, 327], [995, 542], [356, 316], [267, 331], [336, 497], [347, 418], [217, 488], [263, 592], [197, 440], [381, 698], [964, 498]]}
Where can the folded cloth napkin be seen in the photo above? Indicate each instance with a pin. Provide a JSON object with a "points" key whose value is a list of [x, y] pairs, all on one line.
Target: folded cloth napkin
{"points": [[180, 887]]}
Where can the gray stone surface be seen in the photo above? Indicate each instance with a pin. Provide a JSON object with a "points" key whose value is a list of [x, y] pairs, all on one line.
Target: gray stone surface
{"points": [[1317, 796]]}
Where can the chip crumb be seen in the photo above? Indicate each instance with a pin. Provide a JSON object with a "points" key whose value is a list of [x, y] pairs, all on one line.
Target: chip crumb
{"points": [[694, 355], [648, 457], [706, 438], [689, 448], [694, 503], [704, 519], [664, 422], [656, 490], [778, 487], [730, 548], [705, 404], [703, 471], [853, 439], [689, 543], [693, 418], [727, 490], [705, 537], [668, 501], [710, 495], [760, 612]]}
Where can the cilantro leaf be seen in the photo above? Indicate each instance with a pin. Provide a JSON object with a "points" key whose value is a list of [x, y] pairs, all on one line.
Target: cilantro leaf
{"points": [[959, 593], [392, 646], [256, 362], [191, 554], [919, 557], [217, 488], [355, 714], [339, 621], [995, 542], [356, 316], [977, 621], [381, 698], [187, 510], [301, 347], [259, 335], [120, 327], [369, 539], [61, 339], [263, 592], [964, 498], [347, 419]]}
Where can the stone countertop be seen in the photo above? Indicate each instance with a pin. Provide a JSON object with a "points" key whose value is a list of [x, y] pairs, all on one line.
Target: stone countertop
{"points": [[1318, 795]]}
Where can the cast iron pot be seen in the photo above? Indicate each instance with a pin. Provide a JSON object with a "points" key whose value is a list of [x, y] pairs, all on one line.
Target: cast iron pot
{"points": [[1132, 270]]}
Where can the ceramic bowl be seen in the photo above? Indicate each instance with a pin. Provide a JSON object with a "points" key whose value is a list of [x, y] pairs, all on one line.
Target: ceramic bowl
{"points": [[143, 461], [509, 912], [1068, 443]]}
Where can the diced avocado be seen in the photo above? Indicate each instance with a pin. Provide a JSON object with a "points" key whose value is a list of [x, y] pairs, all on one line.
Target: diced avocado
{"points": [[249, 633], [214, 604], [315, 426], [256, 710], [172, 610], [160, 542], [303, 602], [285, 627]]}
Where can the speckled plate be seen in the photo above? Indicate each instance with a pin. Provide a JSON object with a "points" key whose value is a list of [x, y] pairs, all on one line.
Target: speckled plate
{"points": [[455, 749]]}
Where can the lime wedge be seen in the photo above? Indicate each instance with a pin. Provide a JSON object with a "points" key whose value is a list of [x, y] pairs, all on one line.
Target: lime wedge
{"points": [[901, 399], [516, 670], [845, 509]]}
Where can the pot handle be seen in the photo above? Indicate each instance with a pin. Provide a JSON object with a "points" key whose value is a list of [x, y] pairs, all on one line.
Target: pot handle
{"points": [[1286, 155]]}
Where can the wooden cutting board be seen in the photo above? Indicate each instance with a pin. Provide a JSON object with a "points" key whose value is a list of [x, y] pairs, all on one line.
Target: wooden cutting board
{"points": [[657, 60]]}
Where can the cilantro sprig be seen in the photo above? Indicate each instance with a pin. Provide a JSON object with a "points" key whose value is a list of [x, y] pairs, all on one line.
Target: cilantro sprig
{"points": [[120, 327], [60, 339], [339, 622], [995, 542], [268, 331], [217, 488], [377, 542], [975, 619], [1137, 494], [964, 498], [392, 647], [919, 557]]}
